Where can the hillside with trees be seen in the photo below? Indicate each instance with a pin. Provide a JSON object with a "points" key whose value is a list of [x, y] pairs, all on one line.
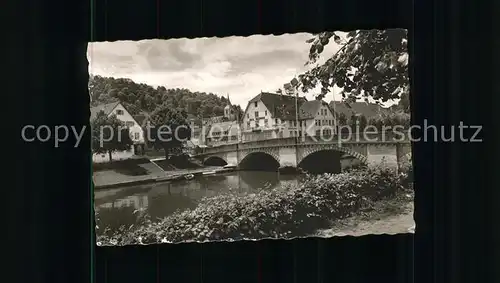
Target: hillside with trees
{"points": [[140, 98]]}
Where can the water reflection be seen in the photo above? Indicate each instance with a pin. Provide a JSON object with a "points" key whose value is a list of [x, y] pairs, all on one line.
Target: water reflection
{"points": [[160, 200]]}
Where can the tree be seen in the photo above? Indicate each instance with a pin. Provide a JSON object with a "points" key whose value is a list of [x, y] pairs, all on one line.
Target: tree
{"points": [[370, 63], [140, 98], [342, 119], [109, 134], [168, 129]]}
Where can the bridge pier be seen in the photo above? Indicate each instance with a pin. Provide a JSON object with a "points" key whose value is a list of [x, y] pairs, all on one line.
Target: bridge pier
{"points": [[232, 158], [288, 156], [288, 170]]}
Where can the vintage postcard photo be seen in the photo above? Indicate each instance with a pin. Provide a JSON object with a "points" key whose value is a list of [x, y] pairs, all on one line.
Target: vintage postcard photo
{"points": [[248, 138]]}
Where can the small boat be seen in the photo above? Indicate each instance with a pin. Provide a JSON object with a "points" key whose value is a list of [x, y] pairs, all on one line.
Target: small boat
{"points": [[209, 172], [189, 176]]}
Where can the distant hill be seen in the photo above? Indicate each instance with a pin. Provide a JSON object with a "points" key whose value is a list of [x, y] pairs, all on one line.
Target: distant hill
{"points": [[142, 99]]}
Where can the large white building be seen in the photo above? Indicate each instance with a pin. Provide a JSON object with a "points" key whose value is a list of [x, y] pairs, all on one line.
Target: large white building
{"points": [[271, 115], [135, 130]]}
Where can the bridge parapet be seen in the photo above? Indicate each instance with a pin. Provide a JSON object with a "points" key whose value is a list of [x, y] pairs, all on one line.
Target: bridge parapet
{"points": [[367, 137]]}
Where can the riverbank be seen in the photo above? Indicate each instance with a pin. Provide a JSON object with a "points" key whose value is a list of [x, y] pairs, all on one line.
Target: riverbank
{"points": [[318, 206], [107, 179], [391, 217]]}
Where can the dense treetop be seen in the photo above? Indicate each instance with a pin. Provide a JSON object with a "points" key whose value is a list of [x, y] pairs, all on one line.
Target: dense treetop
{"points": [[369, 64], [141, 98]]}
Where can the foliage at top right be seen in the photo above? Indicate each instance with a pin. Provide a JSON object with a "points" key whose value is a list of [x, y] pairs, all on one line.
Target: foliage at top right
{"points": [[369, 64]]}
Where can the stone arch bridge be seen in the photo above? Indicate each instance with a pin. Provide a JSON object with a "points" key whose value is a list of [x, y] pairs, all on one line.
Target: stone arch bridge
{"points": [[291, 152]]}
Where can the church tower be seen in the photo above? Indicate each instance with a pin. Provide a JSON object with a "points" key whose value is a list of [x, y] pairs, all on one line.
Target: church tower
{"points": [[229, 112]]}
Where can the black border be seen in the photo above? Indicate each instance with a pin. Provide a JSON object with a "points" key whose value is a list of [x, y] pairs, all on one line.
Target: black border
{"points": [[47, 71]]}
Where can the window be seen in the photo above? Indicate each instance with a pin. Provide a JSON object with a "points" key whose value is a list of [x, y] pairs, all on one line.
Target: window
{"points": [[276, 120], [248, 124], [266, 122], [256, 113], [136, 136], [265, 113], [318, 132], [255, 103], [248, 115], [129, 124], [119, 112]]}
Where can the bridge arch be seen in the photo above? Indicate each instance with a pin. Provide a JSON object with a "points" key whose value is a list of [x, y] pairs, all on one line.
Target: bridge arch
{"points": [[330, 159], [362, 158], [259, 161], [214, 160]]}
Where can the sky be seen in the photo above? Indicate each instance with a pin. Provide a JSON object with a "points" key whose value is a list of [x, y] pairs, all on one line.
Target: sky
{"points": [[240, 67]]}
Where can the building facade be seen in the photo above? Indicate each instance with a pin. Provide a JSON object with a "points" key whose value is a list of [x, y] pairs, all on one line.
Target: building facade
{"points": [[271, 115], [223, 130], [135, 130]]}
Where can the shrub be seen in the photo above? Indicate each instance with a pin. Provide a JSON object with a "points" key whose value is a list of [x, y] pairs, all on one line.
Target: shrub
{"points": [[406, 169], [280, 212]]}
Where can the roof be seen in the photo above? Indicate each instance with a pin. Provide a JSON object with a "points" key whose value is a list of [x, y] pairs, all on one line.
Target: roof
{"points": [[139, 118], [211, 120], [366, 109], [280, 106], [107, 108]]}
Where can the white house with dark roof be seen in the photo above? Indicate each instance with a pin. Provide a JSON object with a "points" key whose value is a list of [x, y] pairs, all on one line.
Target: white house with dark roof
{"points": [[271, 115], [316, 118], [135, 129]]}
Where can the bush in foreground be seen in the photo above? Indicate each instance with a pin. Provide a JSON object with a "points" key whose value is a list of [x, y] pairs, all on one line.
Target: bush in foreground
{"points": [[278, 213]]}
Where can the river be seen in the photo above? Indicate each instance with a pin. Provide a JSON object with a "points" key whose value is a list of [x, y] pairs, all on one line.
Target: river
{"points": [[116, 206]]}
